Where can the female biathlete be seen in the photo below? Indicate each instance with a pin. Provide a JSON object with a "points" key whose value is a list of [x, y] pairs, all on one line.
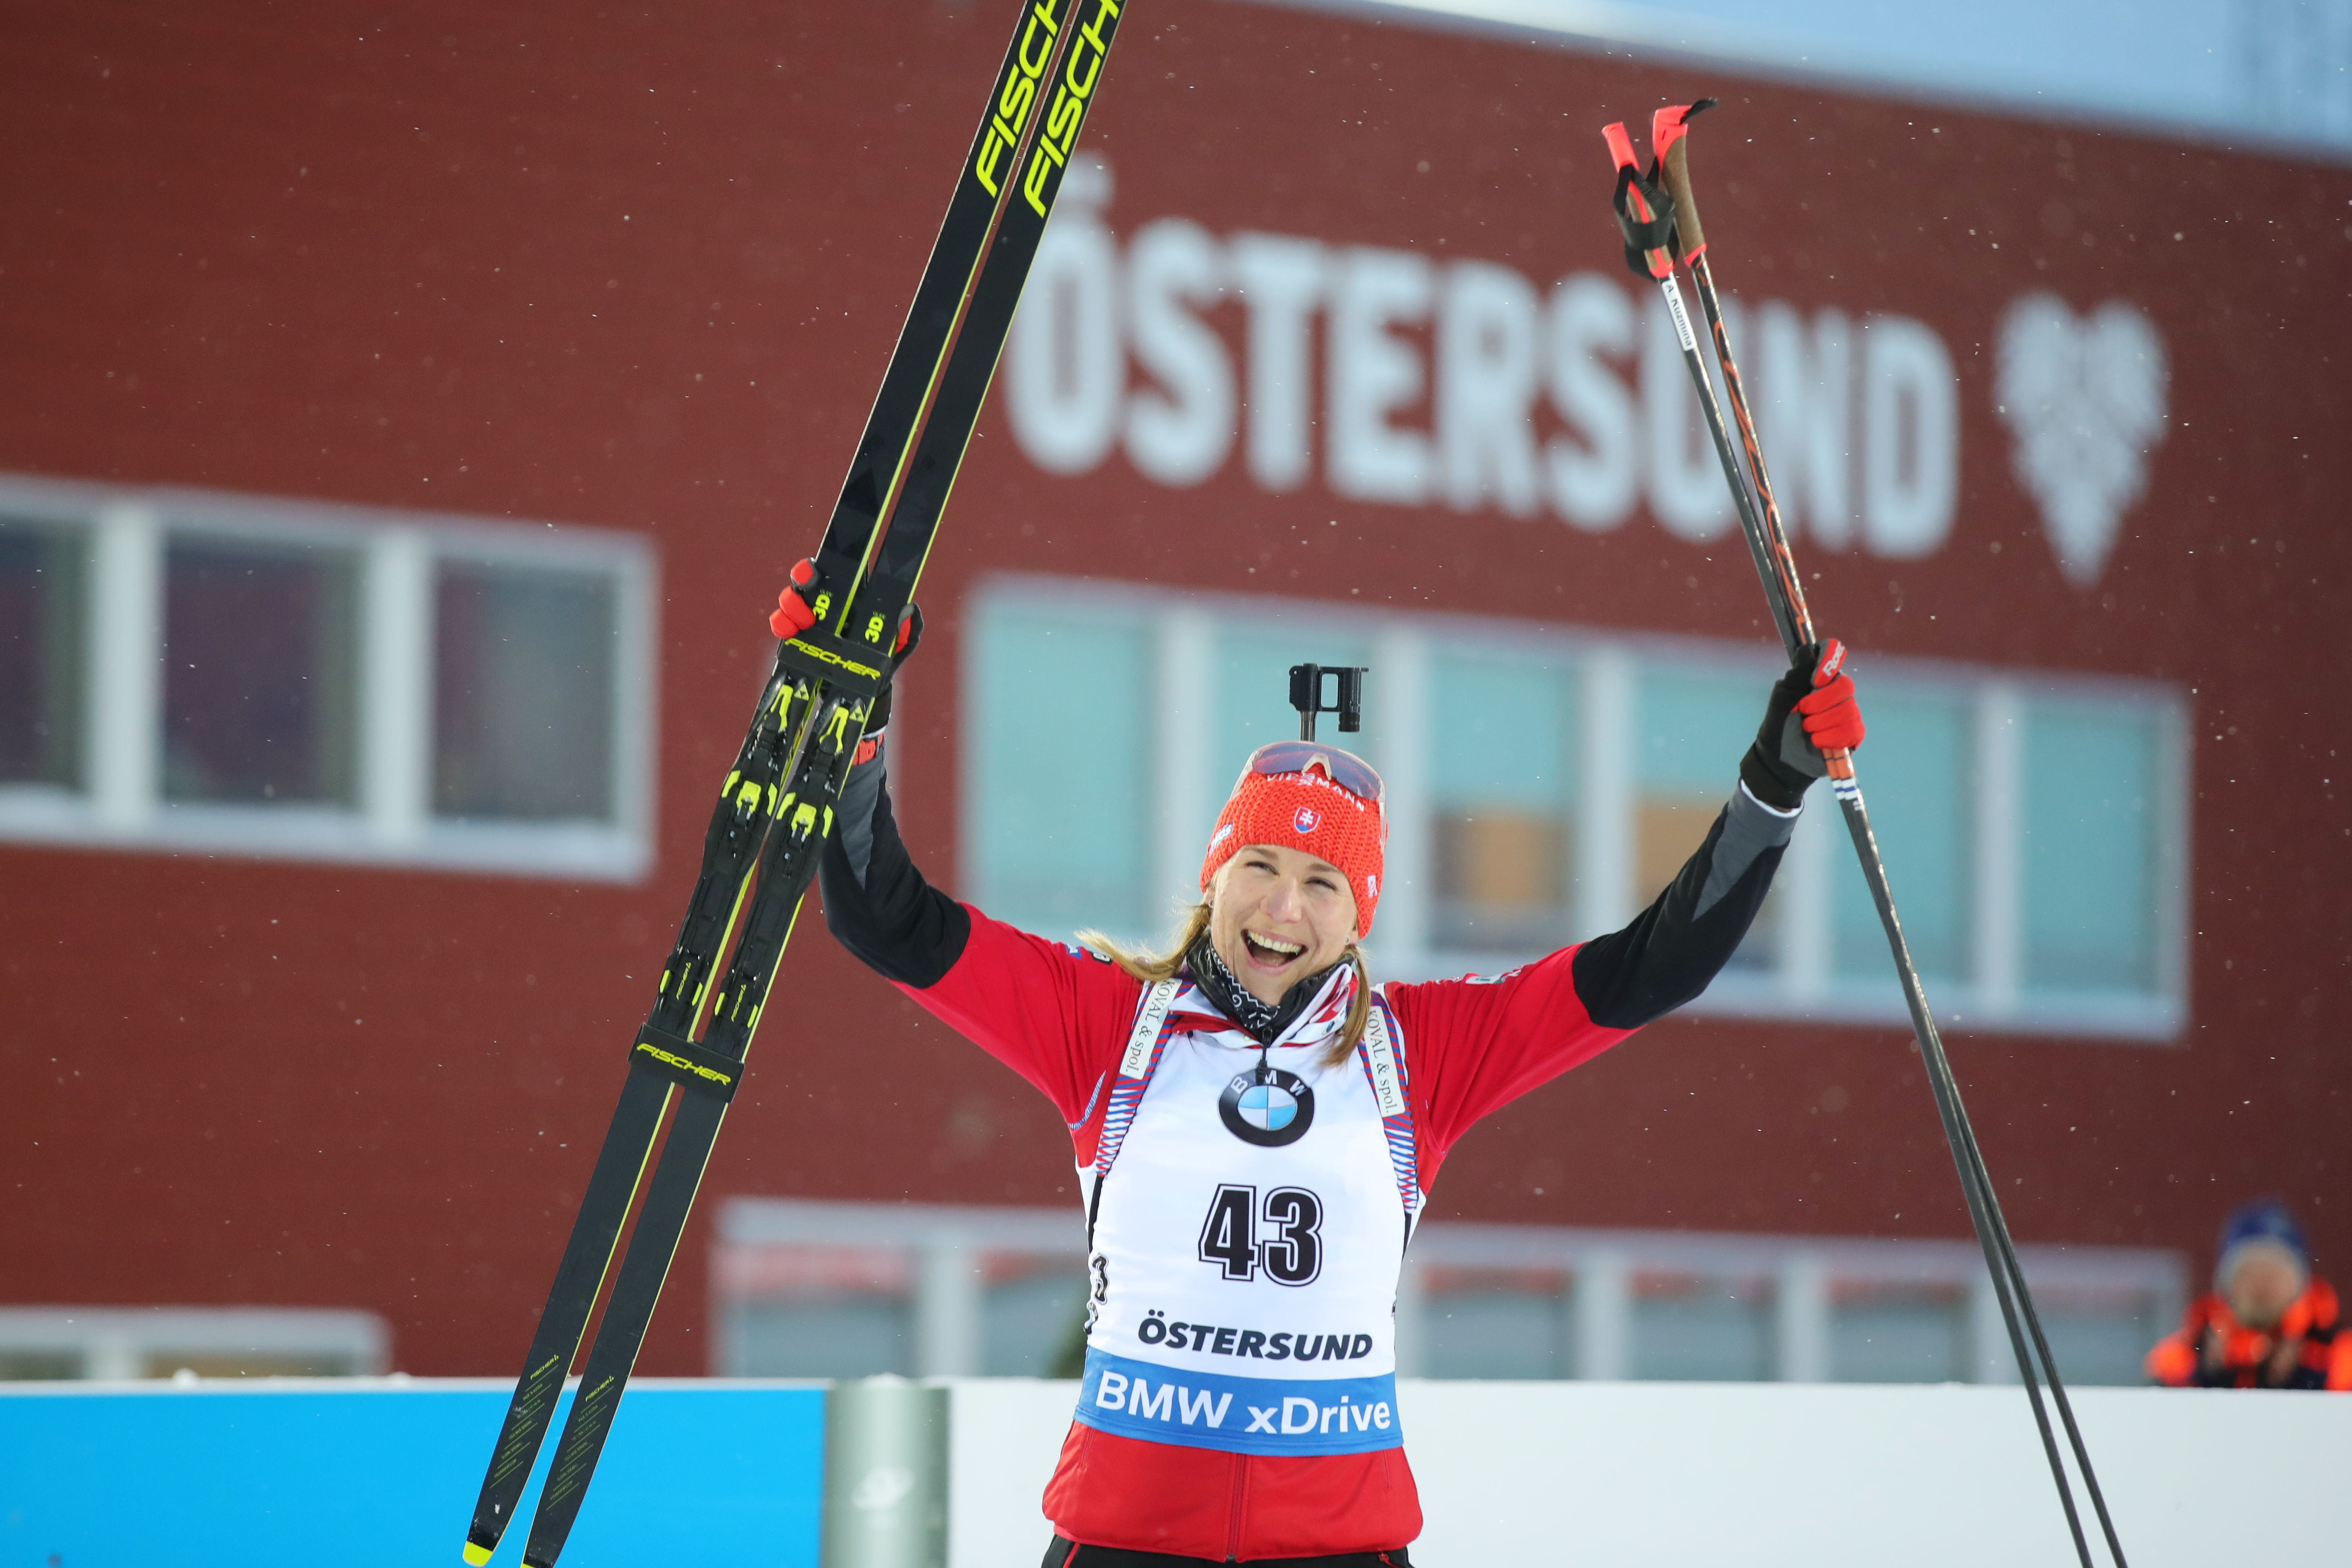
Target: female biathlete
{"points": [[1257, 1125]]}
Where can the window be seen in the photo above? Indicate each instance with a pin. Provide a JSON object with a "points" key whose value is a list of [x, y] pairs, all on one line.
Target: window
{"points": [[42, 570], [1059, 817], [259, 676], [1497, 1322], [2091, 848], [817, 1312], [244, 676], [522, 682], [1546, 782], [1503, 797], [1692, 1328], [1542, 1301], [805, 1288], [809, 1289], [1916, 769], [1897, 1331]]}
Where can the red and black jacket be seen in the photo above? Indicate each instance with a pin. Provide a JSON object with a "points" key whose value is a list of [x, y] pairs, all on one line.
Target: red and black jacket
{"points": [[2213, 1349]]}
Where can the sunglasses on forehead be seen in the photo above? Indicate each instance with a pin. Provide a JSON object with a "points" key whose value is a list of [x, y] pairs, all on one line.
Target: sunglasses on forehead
{"points": [[1347, 770]]}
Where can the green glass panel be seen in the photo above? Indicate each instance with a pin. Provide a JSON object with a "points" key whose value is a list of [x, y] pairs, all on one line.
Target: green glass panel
{"points": [[522, 693], [2090, 847], [260, 690], [1504, 730], [1057, 818], [1503, 778], [1692, 727], [1914, 772], [41, 658]]}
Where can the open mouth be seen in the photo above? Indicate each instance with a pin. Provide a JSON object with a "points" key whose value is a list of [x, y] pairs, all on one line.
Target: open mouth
{"points": [[1271, 951]]}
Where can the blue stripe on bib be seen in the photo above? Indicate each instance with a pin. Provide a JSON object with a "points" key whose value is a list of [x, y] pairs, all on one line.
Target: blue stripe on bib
{"points": [[1238, 1414]]}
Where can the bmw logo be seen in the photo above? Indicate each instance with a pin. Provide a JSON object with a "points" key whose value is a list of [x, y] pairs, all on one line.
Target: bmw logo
{"points": [[1267, 1107]]}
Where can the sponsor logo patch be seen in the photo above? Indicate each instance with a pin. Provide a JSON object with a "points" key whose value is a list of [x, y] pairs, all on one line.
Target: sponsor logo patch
{"points": [[1201, 1409], [1267, 1107]]}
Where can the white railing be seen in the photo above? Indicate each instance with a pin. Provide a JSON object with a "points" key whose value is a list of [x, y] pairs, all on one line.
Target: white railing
{"points": [[926, 1278], [114, 1343]]}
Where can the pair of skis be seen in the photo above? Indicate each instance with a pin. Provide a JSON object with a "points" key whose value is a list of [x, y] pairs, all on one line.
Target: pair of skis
{"points": [[775, 811], [1659, 216]]}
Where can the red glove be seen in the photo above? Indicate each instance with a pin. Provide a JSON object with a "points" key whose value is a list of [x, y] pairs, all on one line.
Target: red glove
{"points": [[791, 616], [1831, 717], [1811, 710]]}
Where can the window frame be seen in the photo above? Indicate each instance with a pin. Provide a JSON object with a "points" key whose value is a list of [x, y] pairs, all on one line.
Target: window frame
{"points": [[120, 802], [1801, 985]]}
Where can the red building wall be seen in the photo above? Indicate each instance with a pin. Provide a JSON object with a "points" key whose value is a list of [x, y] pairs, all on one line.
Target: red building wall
{"points": [[642, 270]]}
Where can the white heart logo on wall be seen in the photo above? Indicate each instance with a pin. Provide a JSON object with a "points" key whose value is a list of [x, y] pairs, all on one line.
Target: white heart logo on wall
{"points": [[2084, 397]]}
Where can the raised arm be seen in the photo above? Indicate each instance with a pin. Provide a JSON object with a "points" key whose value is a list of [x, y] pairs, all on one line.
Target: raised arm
{"points": [[1481, 1043], [1043, 1008], [878, 904], [1671, 950]]}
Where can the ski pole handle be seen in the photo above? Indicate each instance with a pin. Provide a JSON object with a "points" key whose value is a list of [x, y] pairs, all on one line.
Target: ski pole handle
{"points": [[1620, 146], [1839, 759], [1668, 129]]}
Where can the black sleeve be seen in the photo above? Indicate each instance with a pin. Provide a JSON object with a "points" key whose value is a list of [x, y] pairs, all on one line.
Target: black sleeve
{"points": [[875, 903], [1670, 952]]}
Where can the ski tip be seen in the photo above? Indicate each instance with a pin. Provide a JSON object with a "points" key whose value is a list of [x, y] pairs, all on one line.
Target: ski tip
{"points": [[477, 1554]]}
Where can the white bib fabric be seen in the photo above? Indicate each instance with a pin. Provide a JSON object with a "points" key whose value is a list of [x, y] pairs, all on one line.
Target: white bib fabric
{"points": [[1244, 1290]]}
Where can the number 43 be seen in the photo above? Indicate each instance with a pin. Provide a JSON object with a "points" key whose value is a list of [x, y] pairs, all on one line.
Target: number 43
{"points": [[1291, 1252]]}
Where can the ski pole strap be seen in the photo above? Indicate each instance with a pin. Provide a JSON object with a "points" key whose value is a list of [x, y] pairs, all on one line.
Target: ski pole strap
{"points": [[1645, 213], [687, 1064]]}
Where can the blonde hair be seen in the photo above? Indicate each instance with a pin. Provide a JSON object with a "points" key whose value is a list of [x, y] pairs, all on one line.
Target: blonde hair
{"points": [[1154, 967]]}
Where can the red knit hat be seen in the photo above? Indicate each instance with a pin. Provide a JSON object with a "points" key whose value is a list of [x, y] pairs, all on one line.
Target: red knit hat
{"points": [[1307, 809]]}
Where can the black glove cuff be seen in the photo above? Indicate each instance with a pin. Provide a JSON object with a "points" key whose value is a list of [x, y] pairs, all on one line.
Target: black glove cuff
{"points": [[879, 719], [1772, 780]]}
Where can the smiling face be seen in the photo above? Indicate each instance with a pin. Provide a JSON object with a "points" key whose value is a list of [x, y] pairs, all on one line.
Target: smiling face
{"points": [[1279, 915]]}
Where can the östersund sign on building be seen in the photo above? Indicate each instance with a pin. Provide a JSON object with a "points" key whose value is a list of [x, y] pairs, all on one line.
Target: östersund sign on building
{"points": [[1563, 398]]}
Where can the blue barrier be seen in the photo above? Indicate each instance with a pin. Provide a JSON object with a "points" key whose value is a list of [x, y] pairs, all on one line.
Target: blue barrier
{"points": [[359, 1474]]}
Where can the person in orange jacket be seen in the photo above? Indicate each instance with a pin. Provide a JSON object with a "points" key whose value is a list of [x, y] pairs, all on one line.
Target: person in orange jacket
{"points": [[2270, 1322]]}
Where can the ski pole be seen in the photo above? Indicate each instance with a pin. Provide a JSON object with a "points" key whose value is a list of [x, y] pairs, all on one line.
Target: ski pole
{"points": [[1656, 216], [1669, 129], [1647, 211], [1647, 217], [1669, 132]]}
